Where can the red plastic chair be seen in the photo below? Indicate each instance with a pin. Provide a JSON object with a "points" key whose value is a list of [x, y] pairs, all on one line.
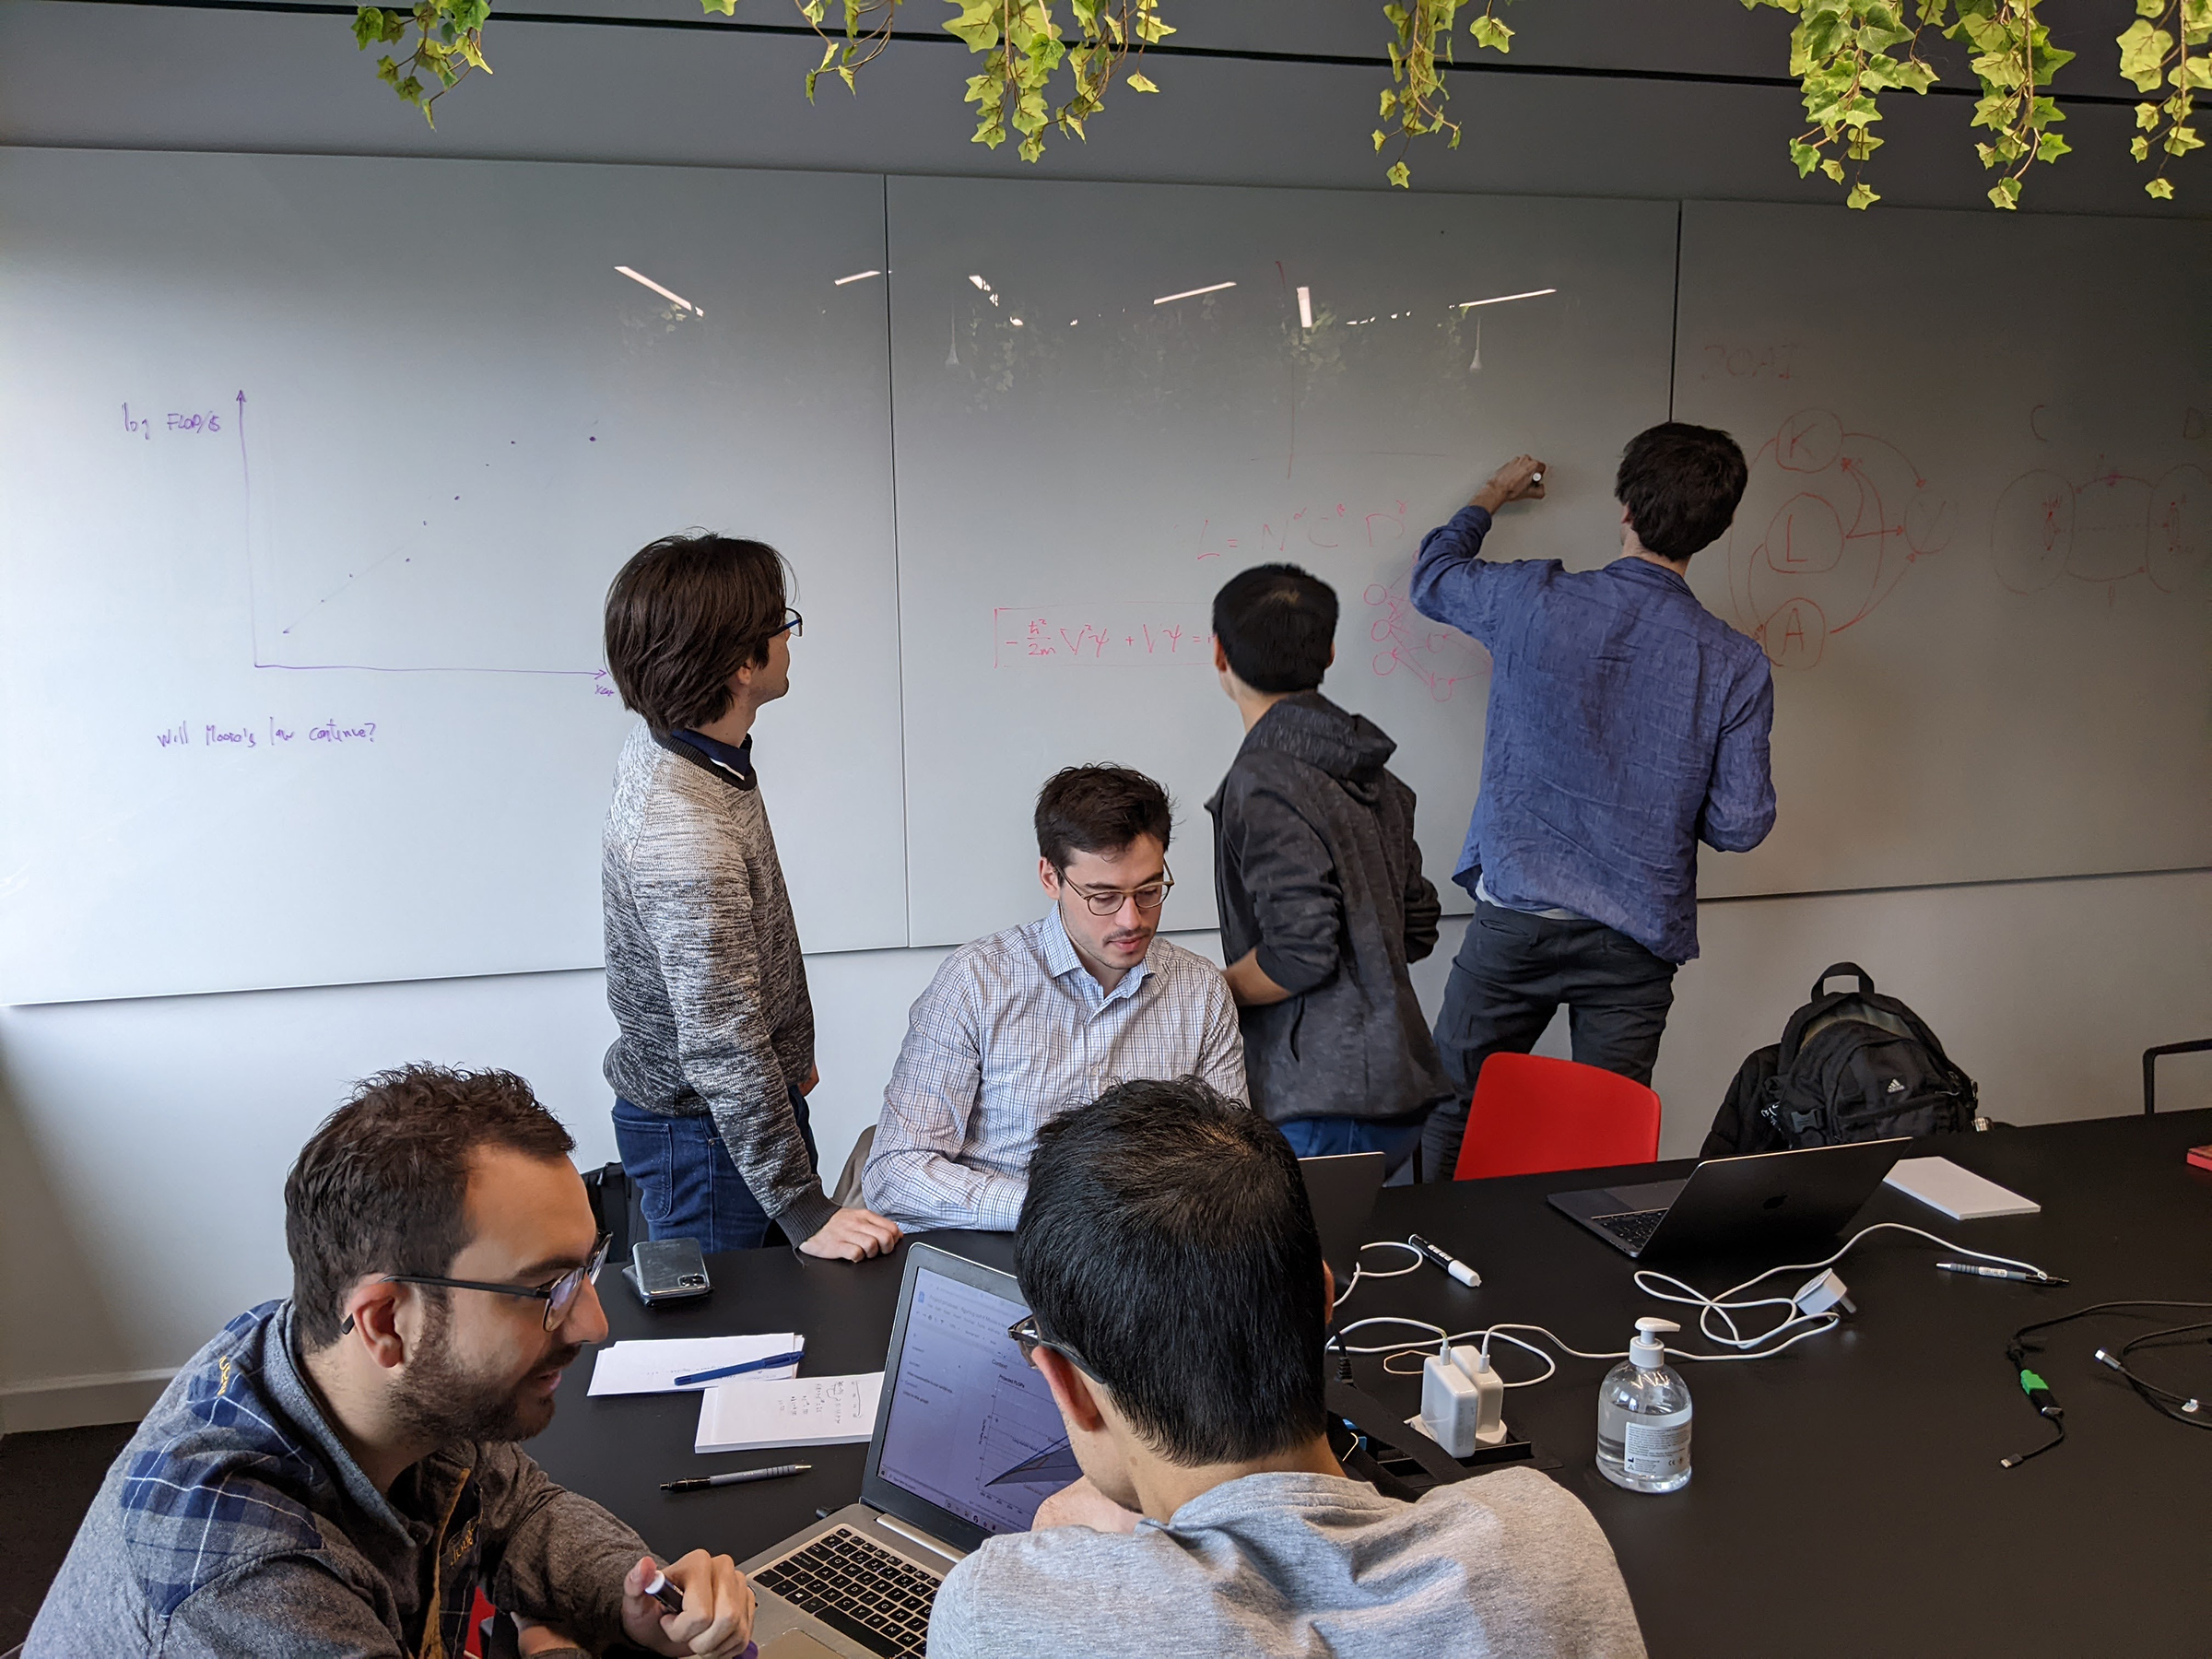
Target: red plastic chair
{"points": [[1531, 1115]]}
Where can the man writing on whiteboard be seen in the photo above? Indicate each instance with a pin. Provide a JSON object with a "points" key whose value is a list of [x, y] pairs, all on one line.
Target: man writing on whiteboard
{"points": [[1626, 723]]}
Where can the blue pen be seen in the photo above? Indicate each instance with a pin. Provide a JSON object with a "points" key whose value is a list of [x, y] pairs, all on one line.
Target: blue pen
{"points": [[720, 1371]]}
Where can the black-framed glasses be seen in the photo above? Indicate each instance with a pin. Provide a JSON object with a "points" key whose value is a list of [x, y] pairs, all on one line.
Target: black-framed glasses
{"points": [[1108, 901], [559, 1297], [1025, 1334], [793, 624]]}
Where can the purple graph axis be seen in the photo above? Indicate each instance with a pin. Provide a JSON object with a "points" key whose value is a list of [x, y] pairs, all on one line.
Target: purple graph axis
{"points": [[245, 469]]}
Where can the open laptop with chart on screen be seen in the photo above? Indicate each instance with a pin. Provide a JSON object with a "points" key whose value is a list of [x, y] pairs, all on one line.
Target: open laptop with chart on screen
{"points": [[967, 1443]]}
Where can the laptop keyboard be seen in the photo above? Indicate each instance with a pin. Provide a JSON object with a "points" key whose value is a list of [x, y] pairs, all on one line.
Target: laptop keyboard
{"points": [[860, 1590], [1632, 1227]]}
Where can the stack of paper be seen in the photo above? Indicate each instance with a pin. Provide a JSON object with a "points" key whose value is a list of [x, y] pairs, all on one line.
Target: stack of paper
{"points": [[653, 1366], [749, 1414]]}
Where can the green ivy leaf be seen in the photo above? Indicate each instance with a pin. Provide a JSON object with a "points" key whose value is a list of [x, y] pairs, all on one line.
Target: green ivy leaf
{"points": [[1399, 176], [2162, 189], [1138, 81], [1861, 197], [2143, 50]]}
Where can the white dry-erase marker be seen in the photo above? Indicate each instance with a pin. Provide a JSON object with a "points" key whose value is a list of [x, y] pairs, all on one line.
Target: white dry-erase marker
{"points": [[1446, 1260]]}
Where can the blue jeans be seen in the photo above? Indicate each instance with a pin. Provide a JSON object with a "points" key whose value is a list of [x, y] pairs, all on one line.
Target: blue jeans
{"points": [[686, 1184], [1328, 1136]]}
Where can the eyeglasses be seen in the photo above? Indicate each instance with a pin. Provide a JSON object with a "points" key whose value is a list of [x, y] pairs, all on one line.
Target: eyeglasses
{"points": [[1024, 1333], [1108, 901], [559, 1297], [793, 624]]}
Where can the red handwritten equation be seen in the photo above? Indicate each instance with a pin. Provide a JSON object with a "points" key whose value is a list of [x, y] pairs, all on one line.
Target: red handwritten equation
{"points": [[1441, 658], [1103, 636]]}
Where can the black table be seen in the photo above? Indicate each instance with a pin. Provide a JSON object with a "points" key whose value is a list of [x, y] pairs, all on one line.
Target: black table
{"points": [[1846, 1496]]}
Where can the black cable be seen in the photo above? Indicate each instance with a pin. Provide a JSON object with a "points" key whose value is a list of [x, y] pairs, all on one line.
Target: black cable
{"points": [[2057, 1422], [2185, 1410], [2039, 1392]]}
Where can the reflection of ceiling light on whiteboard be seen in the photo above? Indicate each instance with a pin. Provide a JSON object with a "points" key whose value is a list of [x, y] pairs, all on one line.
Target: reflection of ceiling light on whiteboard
{"points": [[665, 293], [1194, 293], [980, 282], [1305, 307], [856, 276], [1018, 321], [1501, 299]]}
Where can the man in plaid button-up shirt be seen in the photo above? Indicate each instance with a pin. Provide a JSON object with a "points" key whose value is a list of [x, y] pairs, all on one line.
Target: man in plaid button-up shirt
{"points": [[1019, 1027]]}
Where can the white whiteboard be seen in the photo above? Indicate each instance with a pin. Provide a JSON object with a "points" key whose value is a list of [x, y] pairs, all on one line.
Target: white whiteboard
{"points": [[1979, 552], [316, 470], [1080, 469]]}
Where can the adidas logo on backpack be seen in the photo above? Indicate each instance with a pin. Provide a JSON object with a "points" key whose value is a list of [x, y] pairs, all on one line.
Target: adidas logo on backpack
{"points": [[1852, 1066]]}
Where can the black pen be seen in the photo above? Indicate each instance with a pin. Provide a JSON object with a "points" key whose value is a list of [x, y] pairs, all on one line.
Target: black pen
{"points": [[2002, 1273], [699, 1483], [1446, 1260]]}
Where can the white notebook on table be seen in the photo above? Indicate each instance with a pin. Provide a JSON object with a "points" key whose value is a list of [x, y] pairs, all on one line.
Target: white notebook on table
{"points": [[753, 1414], [1960, 1194]]}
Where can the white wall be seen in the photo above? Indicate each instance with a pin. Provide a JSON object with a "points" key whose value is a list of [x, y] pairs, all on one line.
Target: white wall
{"points": [[143, 1143]]}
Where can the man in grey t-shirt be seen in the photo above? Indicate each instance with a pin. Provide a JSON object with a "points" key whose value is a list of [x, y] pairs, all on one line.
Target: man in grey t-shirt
{"points": [[1178, 1306]]}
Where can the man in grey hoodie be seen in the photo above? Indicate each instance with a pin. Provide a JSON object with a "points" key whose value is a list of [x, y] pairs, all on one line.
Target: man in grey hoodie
{"points": [[1319, 881]]}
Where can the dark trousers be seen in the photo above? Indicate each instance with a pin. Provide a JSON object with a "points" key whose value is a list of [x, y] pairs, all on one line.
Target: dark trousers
{"points": [[1512, 972], [687, 1185]]}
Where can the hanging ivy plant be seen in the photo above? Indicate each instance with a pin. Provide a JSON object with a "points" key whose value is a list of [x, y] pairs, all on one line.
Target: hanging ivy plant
{"points": [[1048, 65], [2165, 46]]}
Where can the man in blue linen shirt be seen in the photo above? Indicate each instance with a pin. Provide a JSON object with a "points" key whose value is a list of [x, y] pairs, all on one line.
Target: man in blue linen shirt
{"points": [[1626, 723], [1019, 1028]]}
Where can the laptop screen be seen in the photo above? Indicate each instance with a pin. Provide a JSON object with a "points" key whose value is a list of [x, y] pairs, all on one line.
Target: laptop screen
{"points": [[970, 1427]]}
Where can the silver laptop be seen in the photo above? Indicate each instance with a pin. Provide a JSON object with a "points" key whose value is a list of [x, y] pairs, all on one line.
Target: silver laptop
{"points": [[1738, 1203], [967, 1443]]}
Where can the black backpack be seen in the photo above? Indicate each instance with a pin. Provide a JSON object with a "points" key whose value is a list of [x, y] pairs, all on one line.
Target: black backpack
{"points": [[1850, 1066]]}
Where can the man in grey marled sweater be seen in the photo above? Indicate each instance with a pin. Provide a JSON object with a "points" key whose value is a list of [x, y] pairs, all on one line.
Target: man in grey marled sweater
{"points": [[1178, 1306], [715, 1057], [338, 1473]]}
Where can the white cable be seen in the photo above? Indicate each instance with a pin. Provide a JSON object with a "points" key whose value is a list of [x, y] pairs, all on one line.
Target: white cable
{"points": [[1798, 1327], [1725, 1304], [1360, 1273], [1437, 1335]]}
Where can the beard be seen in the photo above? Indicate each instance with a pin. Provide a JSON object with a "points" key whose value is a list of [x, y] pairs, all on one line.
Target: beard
{"points": [[442, 1401]]}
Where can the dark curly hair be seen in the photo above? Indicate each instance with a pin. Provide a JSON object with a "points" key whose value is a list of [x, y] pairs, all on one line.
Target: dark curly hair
{"points": [[382, 1185]]}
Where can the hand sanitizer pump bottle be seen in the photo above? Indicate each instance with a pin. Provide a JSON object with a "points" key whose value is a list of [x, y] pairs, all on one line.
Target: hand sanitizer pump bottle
{"points": [[1643, 1417]]}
